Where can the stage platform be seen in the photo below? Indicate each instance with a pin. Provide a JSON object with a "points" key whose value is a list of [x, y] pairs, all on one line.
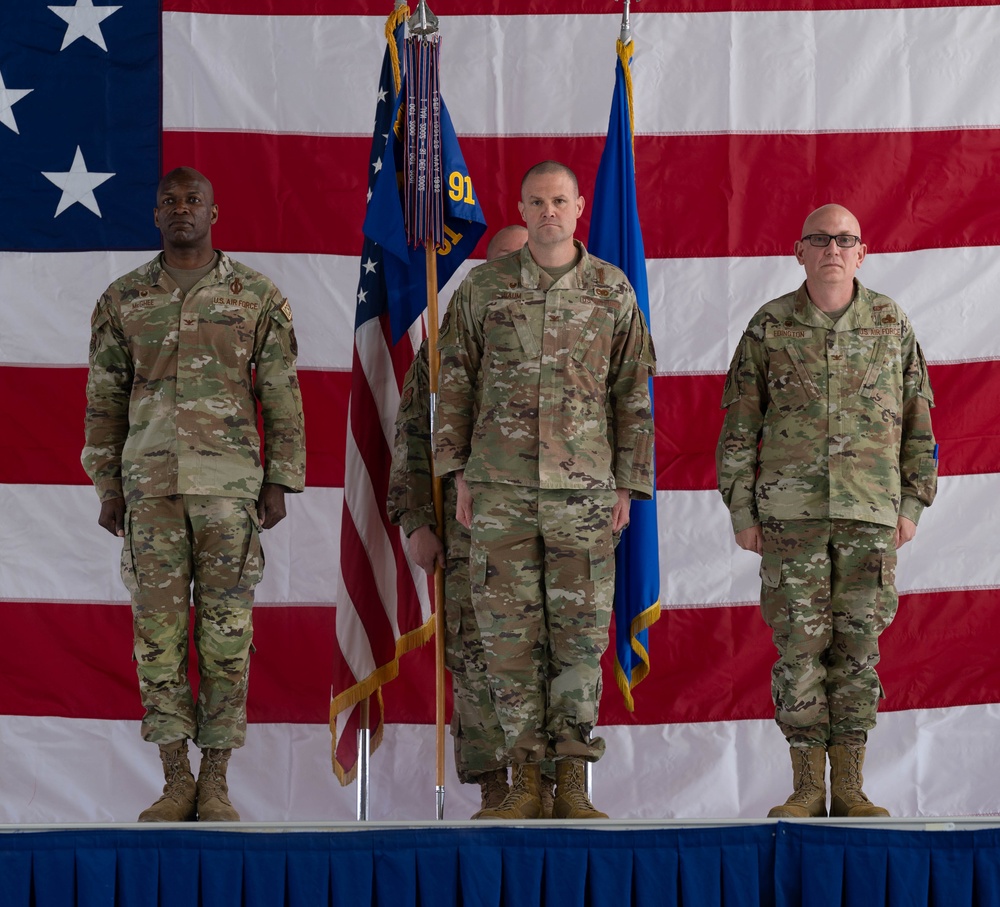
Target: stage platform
{"points": [[943, 862]]}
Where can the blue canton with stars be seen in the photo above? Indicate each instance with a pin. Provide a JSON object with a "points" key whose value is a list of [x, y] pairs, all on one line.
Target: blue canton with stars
{"points": [[372, 298], [404, 280], [79, 124]]}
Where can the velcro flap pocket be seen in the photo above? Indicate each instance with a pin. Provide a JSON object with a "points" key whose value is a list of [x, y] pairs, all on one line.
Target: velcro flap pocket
{"points": [[770, 570]]}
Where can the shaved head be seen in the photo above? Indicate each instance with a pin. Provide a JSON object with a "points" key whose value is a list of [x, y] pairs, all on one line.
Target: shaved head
{"points": [[827, 214], [506, 240], [187, 175], [547, 167]]}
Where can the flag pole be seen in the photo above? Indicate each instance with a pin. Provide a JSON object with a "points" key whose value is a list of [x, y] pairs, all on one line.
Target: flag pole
{"points": [[626, 33], [439, 629], [364, 744], [424, 224]]}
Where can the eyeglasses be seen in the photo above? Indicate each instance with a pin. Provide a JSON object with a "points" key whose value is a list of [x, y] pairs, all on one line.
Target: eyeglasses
{"points": [[822, 240]]}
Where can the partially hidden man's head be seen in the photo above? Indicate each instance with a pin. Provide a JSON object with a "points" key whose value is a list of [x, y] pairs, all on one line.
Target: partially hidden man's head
{"points": [[506, 241], [830, 249], [185, 209], [550, 203]]}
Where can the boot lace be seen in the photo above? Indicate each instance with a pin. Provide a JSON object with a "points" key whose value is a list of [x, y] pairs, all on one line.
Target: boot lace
{"points": [[212, 775], [176, 770], [808, 784], [572, 790]]}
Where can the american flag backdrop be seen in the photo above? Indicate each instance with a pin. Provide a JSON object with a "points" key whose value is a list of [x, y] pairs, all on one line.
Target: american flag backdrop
{"points": [[747, 116]]}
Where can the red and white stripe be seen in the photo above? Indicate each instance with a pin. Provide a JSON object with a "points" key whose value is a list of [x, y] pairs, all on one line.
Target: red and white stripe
{"points": [[745, 120]]}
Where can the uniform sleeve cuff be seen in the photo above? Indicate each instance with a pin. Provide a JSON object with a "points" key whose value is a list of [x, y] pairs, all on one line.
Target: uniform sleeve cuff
{"points": [[744, 519], [911, 508], [413, 520]]}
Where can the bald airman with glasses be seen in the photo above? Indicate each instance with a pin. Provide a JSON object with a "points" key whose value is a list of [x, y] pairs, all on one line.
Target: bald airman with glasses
{"points": [[826, 460]]}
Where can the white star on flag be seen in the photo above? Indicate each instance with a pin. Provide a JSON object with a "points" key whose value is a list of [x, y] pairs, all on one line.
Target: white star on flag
{"points": [[8, 98], [369, 266], [84, 21], [77, 184]]}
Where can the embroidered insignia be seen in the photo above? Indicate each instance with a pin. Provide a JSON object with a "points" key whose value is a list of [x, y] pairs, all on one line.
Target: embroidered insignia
{"points": [[236, 286], [603, 292], [286, 310], [889, 319]]}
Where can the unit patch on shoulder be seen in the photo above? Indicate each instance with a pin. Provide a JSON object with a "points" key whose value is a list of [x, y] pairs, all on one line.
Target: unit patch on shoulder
{"points": [[286, 310]]}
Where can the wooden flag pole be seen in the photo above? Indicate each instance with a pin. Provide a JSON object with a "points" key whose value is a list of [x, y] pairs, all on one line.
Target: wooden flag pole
{"points": [[433, 361]]}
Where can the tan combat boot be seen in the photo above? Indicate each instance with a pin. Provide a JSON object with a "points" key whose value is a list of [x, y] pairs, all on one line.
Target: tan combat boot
{"points": [[547, 789], [178, 801], [523, 801], [847, 797], [493, 788], [808, 799], [213, 792], [571, 800]]}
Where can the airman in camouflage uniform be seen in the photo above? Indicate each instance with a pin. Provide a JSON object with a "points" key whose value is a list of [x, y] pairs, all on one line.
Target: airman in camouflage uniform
{"points": [[826, 461], [183, 349], [474, 724], [539, 351]]}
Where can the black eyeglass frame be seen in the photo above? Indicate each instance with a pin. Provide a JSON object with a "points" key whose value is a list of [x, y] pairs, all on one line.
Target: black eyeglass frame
{"points": [[836, 237]]}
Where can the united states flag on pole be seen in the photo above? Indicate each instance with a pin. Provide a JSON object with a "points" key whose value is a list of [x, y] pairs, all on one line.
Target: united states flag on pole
{"points": [[747, 115], [383, 607], [384, 604]]}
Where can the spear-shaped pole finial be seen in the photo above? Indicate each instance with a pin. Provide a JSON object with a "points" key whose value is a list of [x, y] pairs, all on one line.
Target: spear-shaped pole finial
{"points": [[626, 32], [423, 22]]}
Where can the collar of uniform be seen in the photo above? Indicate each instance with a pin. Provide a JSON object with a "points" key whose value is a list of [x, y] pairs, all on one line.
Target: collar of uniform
{"points": [[534, 277], [858, 313], [157, 271]]}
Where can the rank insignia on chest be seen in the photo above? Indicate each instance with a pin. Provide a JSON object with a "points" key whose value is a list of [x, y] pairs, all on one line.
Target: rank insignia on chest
{"points": [[236, 286]]}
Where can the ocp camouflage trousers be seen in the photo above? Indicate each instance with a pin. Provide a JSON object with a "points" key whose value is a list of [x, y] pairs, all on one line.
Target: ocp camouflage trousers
{"points": [[542, 571], [474, 726], [207, 549], [827, 593]]}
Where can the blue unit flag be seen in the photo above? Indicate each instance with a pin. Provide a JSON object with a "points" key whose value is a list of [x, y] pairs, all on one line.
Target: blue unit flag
{"points": [[615, 236]]}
